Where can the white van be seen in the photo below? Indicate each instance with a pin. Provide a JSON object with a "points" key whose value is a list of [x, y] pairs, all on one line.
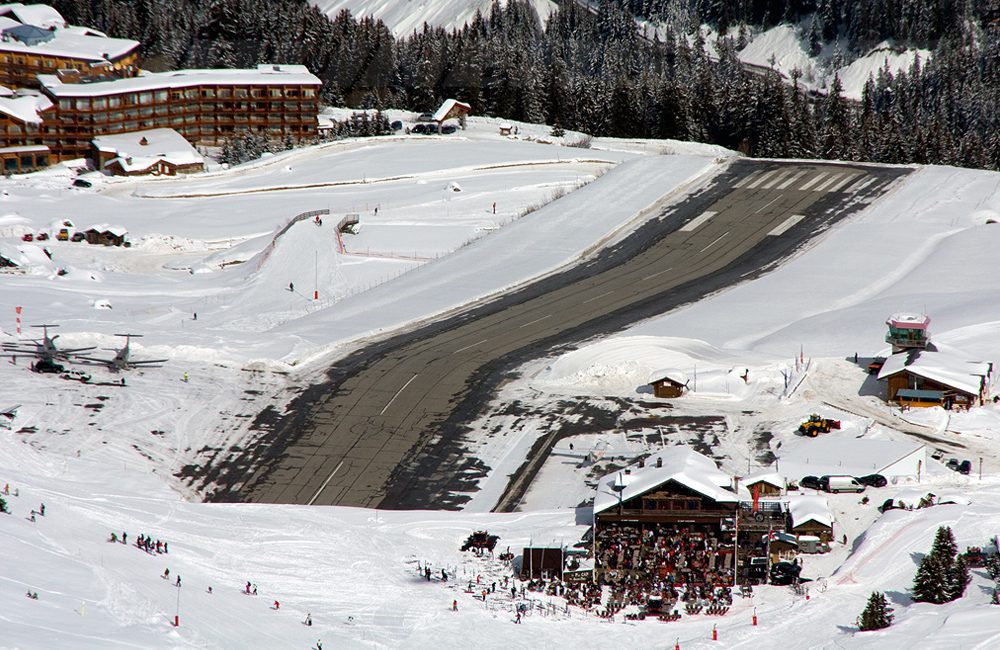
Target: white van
{"points": [[841, 484]]}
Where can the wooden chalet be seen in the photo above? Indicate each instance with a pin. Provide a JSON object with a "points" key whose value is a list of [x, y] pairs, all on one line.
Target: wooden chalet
{"points": [[668, 383], [920, 378], [674, 485], [451, 109], [157, 152], [771, 484], [106, 235], [811, 515]]}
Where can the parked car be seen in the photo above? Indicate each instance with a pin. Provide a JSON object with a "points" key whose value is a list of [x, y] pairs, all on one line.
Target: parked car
{"points": [[78, 236], [426, 117], [396, 125], [836, 484], [784, 573], [448, 129], [418, 128], [42, 236], [82, 182], [431, 128], [811, 482], [952, 464], [27, 237], [63, 234], [965, 467], [873, 480]]}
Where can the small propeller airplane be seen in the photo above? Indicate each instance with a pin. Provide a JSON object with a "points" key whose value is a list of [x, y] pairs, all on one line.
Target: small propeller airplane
{"points": [[123, 359], [44, 348]]}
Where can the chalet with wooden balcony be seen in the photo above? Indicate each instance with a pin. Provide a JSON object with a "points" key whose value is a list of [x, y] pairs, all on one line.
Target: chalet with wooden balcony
{"points": [[674, 485], [922, 378]]}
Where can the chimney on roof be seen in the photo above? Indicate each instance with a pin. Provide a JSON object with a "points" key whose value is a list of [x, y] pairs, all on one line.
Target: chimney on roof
{"points": [[659, 461]]}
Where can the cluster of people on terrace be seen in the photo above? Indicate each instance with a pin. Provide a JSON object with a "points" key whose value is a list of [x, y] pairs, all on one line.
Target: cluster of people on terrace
{"points": [[664, 563]]}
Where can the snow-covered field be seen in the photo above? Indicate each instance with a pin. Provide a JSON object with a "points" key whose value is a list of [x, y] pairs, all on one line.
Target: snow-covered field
{"points": [[103, 457]]}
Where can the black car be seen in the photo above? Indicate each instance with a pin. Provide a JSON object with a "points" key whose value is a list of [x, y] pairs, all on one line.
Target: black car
{"points": [[872, 480], [396, 125], [418, 128], [784, 573], [448, 129], [82, 182], [965, 467], [812, 482]]}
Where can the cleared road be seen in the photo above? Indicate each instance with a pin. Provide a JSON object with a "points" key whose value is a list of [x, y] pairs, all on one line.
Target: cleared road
{"points": [[386, 431]]}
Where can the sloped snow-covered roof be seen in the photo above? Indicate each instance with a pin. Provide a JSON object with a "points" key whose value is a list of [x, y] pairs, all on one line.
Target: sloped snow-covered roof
{"points": [[940, 367], [846, 454], [117, 231], [80, 44], [26, 109], [36, 14], [673, 374], [442, 113], [682, 465], [150, 146], [771, 478], [262, 74], [810, 508]]}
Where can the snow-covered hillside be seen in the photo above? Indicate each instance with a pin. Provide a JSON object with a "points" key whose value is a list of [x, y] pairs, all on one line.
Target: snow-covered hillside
{"points": [[408, 16]]}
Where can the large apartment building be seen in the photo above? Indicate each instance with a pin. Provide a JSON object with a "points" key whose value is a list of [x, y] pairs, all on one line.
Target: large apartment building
{"points": [[65, 108]]}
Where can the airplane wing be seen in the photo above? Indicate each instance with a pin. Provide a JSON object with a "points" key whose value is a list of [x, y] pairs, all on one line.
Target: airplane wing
{"points": [[93, 360], [75, 350], [147, 362], [10, 411]]}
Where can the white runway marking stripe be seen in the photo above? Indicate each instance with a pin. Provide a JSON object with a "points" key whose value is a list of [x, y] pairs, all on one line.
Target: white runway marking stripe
{"points": [[777, 179], [717, 239], [822, 187], [842, 183], [653, 275], [783, 227], [472, 345], [386, 407], [810, 183], [862, 185], [697, 221], [765, 176], [791, 180], [747, 179], [537, 320]]}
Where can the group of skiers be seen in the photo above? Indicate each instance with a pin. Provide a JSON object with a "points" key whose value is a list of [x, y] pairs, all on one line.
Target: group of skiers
{"points": [[145, 542]]}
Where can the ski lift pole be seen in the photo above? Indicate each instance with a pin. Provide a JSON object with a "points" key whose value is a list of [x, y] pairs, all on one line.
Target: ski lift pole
{"points": [[177, 609]]}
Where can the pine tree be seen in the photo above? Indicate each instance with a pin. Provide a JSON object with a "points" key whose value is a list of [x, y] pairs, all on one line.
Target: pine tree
{"points": [[995, 600], [944, 546], [3, 505], [877, 614], [993, 566], [930, 584], [958, 578]]}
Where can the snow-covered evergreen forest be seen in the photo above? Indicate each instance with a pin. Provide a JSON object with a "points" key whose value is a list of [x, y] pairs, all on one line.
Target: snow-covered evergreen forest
{"points": [[600, 70]]}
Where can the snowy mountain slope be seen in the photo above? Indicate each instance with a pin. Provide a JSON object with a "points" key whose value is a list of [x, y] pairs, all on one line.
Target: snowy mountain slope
{"points": [[404, 17]]}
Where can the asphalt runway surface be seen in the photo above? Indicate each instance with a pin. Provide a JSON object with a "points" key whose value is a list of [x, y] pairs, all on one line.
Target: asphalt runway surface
{"points": [[386, 429]]}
